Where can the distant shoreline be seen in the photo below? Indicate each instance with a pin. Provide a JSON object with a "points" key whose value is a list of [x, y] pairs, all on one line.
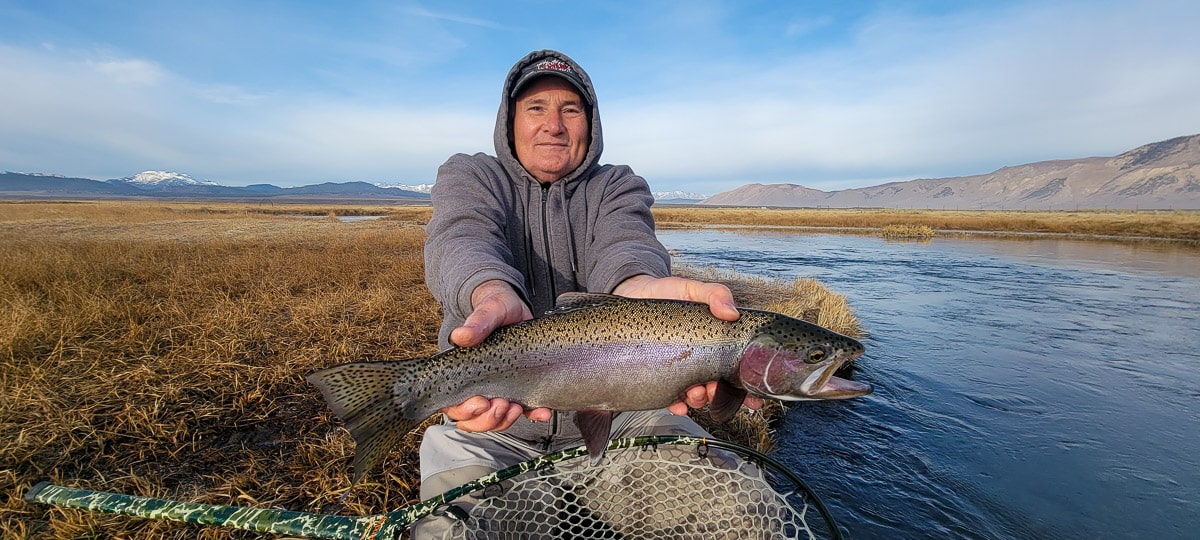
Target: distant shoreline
{"points": [[1111, 225], [943, 233]]}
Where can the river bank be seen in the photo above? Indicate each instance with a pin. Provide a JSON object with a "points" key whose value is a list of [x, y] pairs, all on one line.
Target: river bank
{"points": [[1182, 225]]}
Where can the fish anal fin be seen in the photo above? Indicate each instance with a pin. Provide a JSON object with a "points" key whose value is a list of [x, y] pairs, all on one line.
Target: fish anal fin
{"points": [[595, 427], [726, 402]]}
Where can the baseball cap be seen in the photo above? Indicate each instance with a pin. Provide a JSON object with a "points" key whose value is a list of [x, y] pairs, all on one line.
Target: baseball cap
{"points": [[550, 66]]}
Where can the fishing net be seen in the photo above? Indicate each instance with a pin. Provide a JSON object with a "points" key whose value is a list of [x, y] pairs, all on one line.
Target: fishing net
{"points": [[645, 487], [665, 487]]}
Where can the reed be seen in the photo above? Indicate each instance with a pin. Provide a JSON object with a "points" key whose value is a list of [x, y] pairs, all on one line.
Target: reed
{"points": [[160, 349]]}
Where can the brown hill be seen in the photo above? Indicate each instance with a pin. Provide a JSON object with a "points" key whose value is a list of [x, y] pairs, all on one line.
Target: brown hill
{"points": [[1161, 175]]}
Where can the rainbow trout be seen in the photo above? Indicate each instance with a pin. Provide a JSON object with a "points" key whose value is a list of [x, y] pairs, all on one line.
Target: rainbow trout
{"points": [[596, 354]]}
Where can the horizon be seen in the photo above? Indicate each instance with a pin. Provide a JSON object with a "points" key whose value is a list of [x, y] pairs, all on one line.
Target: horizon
{"points": [[697, 97]]}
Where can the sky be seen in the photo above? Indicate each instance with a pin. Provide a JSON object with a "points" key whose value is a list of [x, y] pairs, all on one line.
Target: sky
{"points": [[701, 96]]}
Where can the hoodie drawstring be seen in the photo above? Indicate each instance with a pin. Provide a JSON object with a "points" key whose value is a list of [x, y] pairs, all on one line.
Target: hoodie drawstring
{"points": [[562, 195]]}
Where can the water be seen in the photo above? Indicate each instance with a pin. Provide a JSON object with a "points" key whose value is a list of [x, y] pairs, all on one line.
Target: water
{"points": [[1023, 388]]}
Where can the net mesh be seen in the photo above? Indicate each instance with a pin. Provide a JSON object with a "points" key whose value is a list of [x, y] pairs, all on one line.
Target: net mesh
{"points": [[646, 492]]}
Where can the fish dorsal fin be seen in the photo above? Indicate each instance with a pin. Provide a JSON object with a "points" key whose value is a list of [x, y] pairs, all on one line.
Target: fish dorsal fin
{"points": [[575, 300], [595, 427]]}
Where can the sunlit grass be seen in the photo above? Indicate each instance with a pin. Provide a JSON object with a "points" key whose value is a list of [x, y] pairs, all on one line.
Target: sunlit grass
{"points": [[160, 349]]}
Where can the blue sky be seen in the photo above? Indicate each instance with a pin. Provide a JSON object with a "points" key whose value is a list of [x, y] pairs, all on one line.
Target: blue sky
{"points": [[694, 95]]}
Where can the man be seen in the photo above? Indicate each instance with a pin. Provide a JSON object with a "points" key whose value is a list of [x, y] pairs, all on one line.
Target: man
{"points": [[510, 233]]}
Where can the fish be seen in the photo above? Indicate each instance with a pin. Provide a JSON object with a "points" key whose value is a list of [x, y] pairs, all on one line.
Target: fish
{"points": [[595, 354]]}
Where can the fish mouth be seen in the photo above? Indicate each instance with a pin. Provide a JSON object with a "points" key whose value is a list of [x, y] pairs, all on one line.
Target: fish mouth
{"points": [[823, 384]]}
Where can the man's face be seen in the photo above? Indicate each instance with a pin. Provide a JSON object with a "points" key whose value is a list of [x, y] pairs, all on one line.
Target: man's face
{"points": [[550, 129]]}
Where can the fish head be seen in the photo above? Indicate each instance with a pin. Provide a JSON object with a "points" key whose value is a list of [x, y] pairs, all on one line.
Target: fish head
{"points": [[793, 360]]}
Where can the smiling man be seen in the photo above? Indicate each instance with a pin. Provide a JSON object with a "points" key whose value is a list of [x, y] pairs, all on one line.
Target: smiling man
{"points": [[511, 232], [550, 129]]}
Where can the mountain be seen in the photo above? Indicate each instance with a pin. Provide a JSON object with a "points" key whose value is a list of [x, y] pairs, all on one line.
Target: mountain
{"points": [[1161, 175], [677, 197], [419, 188], [37, 185], [152, 179], [173, 185]]}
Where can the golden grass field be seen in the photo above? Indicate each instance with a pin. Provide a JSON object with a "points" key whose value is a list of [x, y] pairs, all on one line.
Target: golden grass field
{"points": [[160, 349]]}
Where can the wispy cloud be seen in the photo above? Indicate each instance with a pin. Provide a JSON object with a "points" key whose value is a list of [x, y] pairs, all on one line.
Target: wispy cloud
{"points": [[929, 95], [723, 95], [128, 71]]}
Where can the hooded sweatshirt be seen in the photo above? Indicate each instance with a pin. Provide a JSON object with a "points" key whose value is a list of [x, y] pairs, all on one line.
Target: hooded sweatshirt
{"points": [[588, 231]]}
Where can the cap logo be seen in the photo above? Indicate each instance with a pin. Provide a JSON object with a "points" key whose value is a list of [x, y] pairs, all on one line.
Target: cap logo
{"points": [[554, 65]]}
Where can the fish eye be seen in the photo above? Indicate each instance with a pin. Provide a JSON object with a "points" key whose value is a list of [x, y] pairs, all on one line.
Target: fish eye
{"points": [[815, 355]]}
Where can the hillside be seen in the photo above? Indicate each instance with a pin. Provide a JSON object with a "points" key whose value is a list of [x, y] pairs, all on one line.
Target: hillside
{"points": [[1161, 175]]}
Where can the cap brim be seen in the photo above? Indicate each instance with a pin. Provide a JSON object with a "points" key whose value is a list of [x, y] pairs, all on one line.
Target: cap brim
{"points": [[529, 77]]}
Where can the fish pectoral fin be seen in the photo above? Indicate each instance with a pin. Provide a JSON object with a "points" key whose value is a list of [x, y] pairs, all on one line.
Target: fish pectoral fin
{"points": [[727, 401], [595, 427]]}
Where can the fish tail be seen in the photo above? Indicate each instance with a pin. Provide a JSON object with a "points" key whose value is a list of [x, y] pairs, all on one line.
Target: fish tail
{"points": [[362, 395]]}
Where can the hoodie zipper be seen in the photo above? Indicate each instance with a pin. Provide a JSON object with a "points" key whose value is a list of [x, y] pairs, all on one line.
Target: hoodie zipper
{"points": [[546, 241], [553, 292]]}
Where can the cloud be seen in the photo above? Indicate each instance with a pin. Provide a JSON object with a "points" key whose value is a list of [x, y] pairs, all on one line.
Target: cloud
{"points": [[825, 99], [128, 71], [947, 95], [69, 113]]}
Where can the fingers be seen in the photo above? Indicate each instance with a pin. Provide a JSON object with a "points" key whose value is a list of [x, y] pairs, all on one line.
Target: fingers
{"points": [[678, 408], [699, 395], [694, 397], [720, 301], [479, 325], [481, 414], [718, 297], [495, 304], [539, 415]]}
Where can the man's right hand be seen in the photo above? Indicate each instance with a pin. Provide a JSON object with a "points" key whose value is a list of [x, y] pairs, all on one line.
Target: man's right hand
{"points": [[495, 304]]}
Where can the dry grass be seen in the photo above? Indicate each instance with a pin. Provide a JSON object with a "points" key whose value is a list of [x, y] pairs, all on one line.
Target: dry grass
{"points": [[159, 349], [920, 232], [162, 353], [1176, 225]]}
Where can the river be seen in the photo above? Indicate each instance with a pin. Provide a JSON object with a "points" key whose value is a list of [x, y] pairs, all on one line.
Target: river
{"points": [[1031, 388]]}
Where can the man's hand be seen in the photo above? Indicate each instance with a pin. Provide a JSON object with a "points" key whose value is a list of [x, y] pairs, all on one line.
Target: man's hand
{"points": [[720, 303], [496, 304], [716, 295]]}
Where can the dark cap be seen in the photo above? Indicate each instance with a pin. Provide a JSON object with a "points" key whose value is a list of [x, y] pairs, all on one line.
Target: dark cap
{"points": [[550, 66]]}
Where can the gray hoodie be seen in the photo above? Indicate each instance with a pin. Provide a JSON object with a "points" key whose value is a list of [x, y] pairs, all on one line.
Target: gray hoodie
{"points": [[588, 231]]}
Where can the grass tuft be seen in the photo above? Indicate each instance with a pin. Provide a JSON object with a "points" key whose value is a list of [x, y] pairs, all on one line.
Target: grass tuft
{"points": [[918, 232]]}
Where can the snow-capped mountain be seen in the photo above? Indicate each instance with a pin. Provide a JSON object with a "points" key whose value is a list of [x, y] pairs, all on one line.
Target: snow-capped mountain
{"points": [[163, 178], [683, 195], [419, 188]]}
